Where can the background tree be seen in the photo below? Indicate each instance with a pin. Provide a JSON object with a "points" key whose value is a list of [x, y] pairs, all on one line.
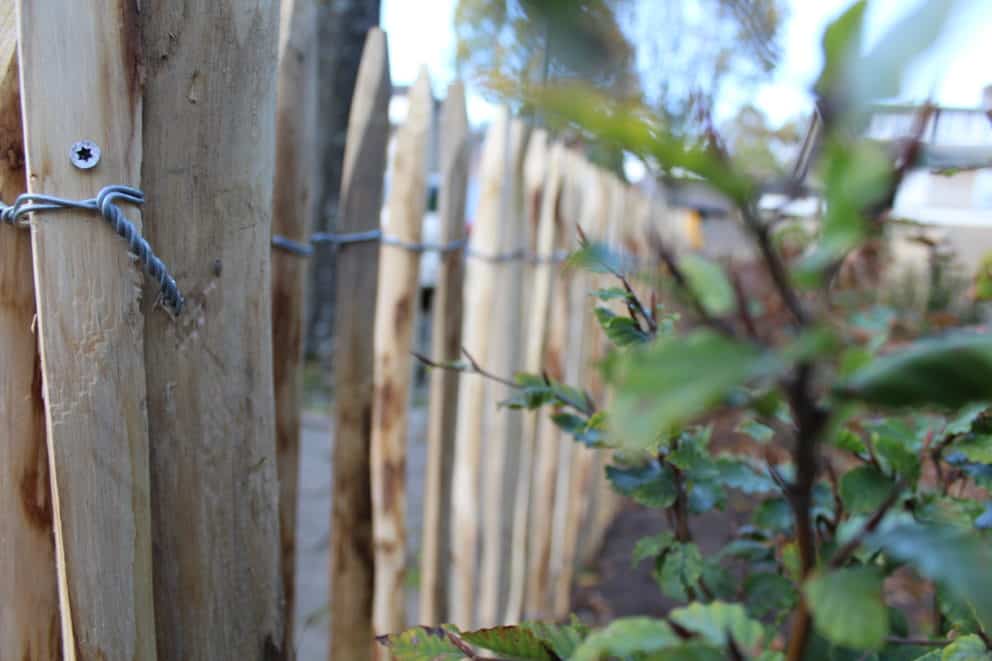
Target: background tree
{"points": [[342, 26]]}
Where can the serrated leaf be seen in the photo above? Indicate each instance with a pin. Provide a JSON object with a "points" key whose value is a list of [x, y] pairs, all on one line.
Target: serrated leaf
{"points": [[562, 639], [773, 514], [950, 372], [709, 284], [680, 570], [864, 489], [515, 642], [976, 447], [758, 431], [966, 648], [769, 594], [650, 484], [719, 622], [597, 258], [652, 547], [421, 644], [611, 294], [848, 608], [848, 440], [675, 380], [738, 473], [625, 637], [955, 557], [965, 418]]}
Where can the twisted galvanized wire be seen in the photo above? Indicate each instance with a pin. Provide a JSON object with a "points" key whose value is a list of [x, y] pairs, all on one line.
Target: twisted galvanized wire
{"points": [[104, 204]]}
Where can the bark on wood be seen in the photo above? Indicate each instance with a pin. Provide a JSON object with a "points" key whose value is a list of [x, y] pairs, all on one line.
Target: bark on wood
{"points": [[502, 426], [29, 618], [351, 573], [548, 437], [292, 202], [209, 137], [476, 337], [445, 346], [541, 230], [89, 322], [396, 308]]}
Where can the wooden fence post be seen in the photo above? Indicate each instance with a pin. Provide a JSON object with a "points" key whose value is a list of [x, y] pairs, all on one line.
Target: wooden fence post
{"points": [[541, 230], [477, 340], [548, 436], [351, 572], [396, 307], [29, 618], [209, 140], [502, 426], [446, 329], [89, 322], [292, 212]]}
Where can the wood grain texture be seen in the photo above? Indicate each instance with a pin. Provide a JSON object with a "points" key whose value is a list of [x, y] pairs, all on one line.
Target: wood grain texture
{"points": [[29, 616], [541, 237], [89, 322], [445, 346], [351, 572], [502, 426], [477, 340], [292, 212], [547, 434], [209, 140], [396, 308]]}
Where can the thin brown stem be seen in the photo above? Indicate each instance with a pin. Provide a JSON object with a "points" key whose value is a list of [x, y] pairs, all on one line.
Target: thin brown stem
{"points": [[845, 552], [919, 642]]}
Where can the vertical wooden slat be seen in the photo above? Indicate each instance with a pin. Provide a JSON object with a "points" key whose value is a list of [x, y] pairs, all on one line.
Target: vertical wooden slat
{"points": [[29, 617], [446, 329], [479, 298], [548, 436], [502, 426], [292, 211], [80, 77], [209, 140], [592, 218], [541, 229], [396, 307], [351, 573]]}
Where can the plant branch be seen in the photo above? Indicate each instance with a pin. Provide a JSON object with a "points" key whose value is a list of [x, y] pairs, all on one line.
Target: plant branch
{"points": [[919, 642], [776, 266], [845, 552]]}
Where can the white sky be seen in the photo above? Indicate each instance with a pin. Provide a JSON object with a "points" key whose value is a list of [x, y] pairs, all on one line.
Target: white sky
{"points": [[420, 33]]}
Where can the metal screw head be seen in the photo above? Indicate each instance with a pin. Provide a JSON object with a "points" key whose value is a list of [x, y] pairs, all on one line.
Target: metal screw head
{"points": [[85, 154]]}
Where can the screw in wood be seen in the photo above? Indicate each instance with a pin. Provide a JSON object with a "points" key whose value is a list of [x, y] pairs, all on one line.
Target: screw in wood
{"points": [[85, 154]]}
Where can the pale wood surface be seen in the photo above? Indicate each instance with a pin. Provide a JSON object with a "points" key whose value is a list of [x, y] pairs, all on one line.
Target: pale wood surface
{"points": [[548, 436], [502, 426], [209, 140], [541, 238], [593, 214], [396, 308], [80, 78], [445, 346], [29, 617], [292, 212], [479, 298], [357, 271]]}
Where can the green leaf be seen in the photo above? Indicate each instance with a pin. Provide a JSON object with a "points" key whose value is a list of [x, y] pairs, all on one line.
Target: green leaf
{"points": [[841, 43], [959, 559], [718, 622], [976, 447], [966, 648], [848, 608], [965, 418], [849, 440], [625, 637], [611, 294], [596, 257], [652, 547], [675, 380], [738, 473], [621, 331], [709, 284], [864, 489], [761, 433], [769, 594], [562, 639], [421, 644], [773, 514], [959, 614], [950, 372], [650, 484], [680, 570], [515, 642]]}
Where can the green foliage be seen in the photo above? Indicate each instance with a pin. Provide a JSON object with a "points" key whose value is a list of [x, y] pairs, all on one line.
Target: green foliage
{"points": [[514, 642], [625, 637], [422, 644], [848, 608], [864, 489]]}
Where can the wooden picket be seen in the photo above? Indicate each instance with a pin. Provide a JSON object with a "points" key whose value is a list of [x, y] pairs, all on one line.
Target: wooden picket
{"points": [[445, 346], [351, 564], [292, 212], [29, 618]]}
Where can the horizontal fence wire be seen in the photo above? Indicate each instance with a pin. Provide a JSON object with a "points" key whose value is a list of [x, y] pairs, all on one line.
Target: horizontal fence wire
{"points": [[104, 204], [302, 249]]}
